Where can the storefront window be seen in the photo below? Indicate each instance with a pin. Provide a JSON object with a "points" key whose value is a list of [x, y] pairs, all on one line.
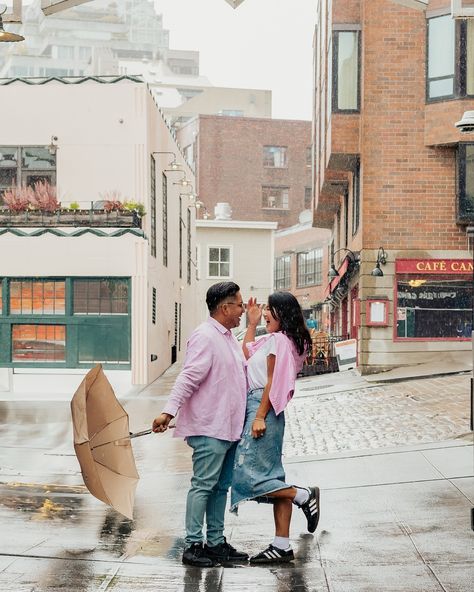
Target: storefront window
{"points": [[38, 343], [101, 297], [434, 307], [37, 297]]}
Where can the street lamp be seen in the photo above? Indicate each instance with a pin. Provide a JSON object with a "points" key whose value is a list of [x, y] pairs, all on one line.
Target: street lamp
{"points": [[355, 258], [466, 125]]}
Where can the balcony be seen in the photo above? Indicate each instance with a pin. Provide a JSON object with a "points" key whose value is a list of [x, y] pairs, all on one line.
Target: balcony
{"points": [[92, 218]]}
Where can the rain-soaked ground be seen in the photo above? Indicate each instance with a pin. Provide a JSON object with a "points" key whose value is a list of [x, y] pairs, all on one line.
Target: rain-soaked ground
{"points": [[391, 521]]}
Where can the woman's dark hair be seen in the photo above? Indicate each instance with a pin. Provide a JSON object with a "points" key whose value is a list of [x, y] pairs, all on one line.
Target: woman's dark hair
{"points": [[286, 309], [217, 293]]}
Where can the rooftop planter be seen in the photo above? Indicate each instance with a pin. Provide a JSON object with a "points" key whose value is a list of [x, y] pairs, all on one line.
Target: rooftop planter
{"points": [[67, 217], [38, 206]]}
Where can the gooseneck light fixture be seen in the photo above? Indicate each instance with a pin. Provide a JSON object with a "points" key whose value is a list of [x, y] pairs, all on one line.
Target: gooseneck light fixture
{"points": [[53, 146], [381, 259], [332, 273], [5, 36], [173, 165]]}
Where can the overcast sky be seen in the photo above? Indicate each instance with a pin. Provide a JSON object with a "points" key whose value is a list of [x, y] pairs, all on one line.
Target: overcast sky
{"points": [[265, 44]]}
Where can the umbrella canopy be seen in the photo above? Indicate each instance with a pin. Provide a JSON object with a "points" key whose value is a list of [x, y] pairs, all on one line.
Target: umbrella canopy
{"points": [[102, 442]]}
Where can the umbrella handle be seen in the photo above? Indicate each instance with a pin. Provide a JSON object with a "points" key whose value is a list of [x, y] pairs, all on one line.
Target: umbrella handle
{"points": [[146, 432]]}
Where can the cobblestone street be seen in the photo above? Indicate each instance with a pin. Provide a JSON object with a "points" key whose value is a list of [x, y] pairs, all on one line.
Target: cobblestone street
{"points": [[375, 416]]}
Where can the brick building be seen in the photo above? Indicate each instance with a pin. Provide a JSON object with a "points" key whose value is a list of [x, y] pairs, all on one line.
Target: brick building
{"points": [[260, 166], [394, 178]]}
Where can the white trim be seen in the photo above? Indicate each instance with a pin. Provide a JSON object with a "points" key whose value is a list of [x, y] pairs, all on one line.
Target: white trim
{"points": [[236, 224]]}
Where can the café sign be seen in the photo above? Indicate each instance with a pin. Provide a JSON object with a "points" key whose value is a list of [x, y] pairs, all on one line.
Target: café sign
{"points": [[434, 266]]}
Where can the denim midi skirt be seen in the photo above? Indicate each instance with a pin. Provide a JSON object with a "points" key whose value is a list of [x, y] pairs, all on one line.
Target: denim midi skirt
{"points": [[258, 469]]}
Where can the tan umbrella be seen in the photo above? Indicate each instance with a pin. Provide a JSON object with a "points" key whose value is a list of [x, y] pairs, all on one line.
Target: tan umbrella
{"points": [[102, 442]]}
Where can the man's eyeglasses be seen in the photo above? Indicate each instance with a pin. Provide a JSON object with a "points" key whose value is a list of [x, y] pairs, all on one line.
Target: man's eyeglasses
{"points": [[242, 305]]}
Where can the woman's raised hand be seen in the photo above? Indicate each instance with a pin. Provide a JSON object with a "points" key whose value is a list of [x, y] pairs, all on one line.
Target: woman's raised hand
{"points": [[254, 312]]}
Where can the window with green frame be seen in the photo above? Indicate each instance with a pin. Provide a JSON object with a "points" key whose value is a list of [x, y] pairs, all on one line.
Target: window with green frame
{"points": [[65, 322]]}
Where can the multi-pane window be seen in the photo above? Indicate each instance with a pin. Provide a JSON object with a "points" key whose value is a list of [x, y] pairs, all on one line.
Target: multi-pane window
{"points": [[465, 182], [283, 272], [307, 198], [275, 197], [100, 297], [38, 343], [434, 307], [164, 185], [37, 297], [309, 156], [65, 322], [275, 156], [309, 268], [441, 56], [356, 197], [450, 60], [152, 206], [346, 72], [188, 228], [219, 262], [26, 165]]}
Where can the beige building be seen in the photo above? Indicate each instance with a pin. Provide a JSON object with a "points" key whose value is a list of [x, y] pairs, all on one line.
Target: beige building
{"points": [[82, 285]]}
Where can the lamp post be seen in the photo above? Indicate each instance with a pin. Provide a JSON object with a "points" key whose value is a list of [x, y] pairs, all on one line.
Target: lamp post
{"points": [[465, 126]]}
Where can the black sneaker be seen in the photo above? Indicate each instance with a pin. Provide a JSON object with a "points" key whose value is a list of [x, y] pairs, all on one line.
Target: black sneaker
{"points": [[224, 552], [311, 509], [273, 555], [196, 555]]}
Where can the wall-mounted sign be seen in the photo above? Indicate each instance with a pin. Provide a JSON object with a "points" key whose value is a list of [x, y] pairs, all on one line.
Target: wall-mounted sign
{"points": [[376, 312], [434, 266]]}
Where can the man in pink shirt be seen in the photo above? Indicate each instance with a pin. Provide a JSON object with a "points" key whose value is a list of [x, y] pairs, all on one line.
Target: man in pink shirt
{"points": [[210, 394]]}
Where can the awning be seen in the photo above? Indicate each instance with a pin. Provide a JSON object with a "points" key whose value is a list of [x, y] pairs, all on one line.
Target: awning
{"points": [[333, 283]]}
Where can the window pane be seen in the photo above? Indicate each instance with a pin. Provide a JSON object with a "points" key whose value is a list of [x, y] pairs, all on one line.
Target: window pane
{"points": [[213, 254], [434, 307], [38, 343], [8, 157], [100, 297], [347, 70], [38, 297], [441, 46], [470, 57], [225, 255], [468, 197], [99, 343], [441, 88], [37, 158], [213, 269], [275, 156], [225, 270]]}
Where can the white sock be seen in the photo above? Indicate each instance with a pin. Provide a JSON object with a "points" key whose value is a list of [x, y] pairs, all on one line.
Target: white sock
{"points": [[282, 543], [302, 496]]}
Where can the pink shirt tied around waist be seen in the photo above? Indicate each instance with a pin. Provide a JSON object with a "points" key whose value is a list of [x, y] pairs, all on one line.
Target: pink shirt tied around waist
{"points": [[210, 391], [288, 362]]}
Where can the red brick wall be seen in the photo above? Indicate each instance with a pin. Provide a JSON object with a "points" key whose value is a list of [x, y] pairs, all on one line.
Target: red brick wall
{"points": [[408, 188], [230, 165]]}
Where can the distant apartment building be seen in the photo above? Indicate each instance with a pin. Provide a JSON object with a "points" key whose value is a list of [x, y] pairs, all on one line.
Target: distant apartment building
{"points": [[260, 166], [301, 267], [127, 38], [393, 177], [86, 281]]}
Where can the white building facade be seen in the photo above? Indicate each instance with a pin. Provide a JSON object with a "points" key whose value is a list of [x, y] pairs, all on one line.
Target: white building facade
{"points": [[238, 251], [79, 285]]}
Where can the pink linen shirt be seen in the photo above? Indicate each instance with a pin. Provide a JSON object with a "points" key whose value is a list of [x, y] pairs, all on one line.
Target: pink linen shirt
{"points": [[211, 390]]}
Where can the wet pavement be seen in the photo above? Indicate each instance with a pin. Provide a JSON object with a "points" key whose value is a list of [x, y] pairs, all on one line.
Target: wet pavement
{"points": [[394, 461]]}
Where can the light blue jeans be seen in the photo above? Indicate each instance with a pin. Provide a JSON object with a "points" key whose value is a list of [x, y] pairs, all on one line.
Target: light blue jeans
{"points": [[213, 461]]}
